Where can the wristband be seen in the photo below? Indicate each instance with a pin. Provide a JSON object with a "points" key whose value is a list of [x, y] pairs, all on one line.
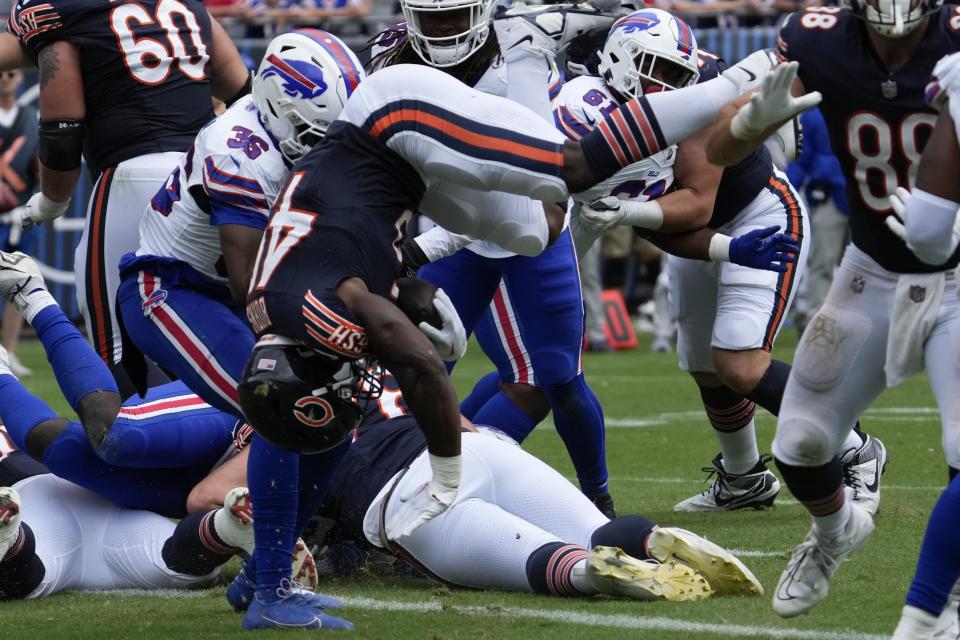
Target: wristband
{"points": [[719, 250], [446, 470]]}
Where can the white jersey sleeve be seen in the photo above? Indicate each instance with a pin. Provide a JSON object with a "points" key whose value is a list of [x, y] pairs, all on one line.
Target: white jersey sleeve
{"points": [[580, 105], [231, 175]]}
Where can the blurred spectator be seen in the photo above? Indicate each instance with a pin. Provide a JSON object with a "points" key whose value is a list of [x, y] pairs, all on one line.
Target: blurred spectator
{"points": [[591, 281], [18, 180], [816, 174]]}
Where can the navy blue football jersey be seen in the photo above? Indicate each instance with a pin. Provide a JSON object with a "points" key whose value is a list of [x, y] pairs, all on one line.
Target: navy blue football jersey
{"points": [[144, 64], [15, 465], [877, 120]]}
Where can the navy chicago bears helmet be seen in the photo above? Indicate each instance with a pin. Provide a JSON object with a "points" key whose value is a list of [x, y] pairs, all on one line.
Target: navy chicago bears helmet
{"points": [[297, 399]]}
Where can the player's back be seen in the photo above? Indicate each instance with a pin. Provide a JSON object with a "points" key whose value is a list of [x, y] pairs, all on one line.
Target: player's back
{"points": [[230, 175], [877, 119], [144, 66]]}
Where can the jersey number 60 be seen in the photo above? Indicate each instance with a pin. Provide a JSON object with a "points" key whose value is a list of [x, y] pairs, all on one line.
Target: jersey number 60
{"points": [[149, 60]]}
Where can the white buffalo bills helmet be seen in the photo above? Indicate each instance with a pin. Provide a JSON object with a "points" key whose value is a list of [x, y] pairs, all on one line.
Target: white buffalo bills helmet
{"points": [[302, 85], [638, 43], [447, 50]]}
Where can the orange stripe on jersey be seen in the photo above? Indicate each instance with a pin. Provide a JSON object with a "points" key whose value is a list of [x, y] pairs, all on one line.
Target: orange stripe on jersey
{"points": [[476, 139], [649, 137], [626, 134], [97, 305], [786, 280], [604, 128]]}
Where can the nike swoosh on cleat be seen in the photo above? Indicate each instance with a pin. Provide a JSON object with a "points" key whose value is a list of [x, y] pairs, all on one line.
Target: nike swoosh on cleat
{"points": [[872, 487], [526, 38], [750, 74]]}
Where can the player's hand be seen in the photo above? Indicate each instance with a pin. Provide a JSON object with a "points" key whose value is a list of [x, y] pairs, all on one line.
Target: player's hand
{"points": [[764, 249], [602, 214], [425, 502], [773, 105], [897, 220], [450, 341], [40, 209], [750, 72], [946, 79]]}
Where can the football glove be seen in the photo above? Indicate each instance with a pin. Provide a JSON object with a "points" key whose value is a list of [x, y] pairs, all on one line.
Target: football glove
{"points": [[761, 249], [450, 340], [946, 79], [40, 209], [425, 502], [939, 244], [773, 105], [602, 214]]}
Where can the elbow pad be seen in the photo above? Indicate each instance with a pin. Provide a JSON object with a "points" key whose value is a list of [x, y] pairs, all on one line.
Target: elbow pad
{"points": [[61, 143]]}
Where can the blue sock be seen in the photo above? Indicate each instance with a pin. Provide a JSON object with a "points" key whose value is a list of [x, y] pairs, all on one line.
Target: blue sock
{"points": [[579, 421], [20, 410], [164, 491], [939, 565], [316, 476], [78, 368], [485, 388], [549, 568], [273, 476], [500, 412], [626, 532]]}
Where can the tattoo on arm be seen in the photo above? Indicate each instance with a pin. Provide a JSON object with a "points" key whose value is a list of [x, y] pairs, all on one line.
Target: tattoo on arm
{"points": [[49, 64]]}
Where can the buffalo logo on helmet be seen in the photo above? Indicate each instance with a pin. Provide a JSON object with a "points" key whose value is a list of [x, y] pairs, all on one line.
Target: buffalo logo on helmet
{"points": [[636, 22], [313, 411], [301, 79]]}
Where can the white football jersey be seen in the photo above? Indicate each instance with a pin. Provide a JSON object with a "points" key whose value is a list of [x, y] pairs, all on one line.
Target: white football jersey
{"points": [[581, 104], [231, 175]]}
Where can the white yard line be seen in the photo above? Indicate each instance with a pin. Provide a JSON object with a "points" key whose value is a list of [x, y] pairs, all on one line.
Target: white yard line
{"points": [[757, 553], [786, 501], [621, 621]]}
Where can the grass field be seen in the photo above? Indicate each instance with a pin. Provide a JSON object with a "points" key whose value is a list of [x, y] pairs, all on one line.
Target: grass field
{"points": [[657, 441]]}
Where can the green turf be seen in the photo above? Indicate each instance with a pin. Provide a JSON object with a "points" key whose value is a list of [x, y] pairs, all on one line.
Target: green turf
{"points": [[652, 467]]}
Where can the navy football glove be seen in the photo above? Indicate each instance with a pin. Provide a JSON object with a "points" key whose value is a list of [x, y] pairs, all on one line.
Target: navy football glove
{"points": [[764, 249]]}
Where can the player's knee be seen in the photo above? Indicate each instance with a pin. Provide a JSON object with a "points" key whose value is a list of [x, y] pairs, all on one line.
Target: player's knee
{"points": [[523, 238], [43, 435], [802, 443], [555, 367], [528, 399], [97, 412], [951, 442], [741, 370]]}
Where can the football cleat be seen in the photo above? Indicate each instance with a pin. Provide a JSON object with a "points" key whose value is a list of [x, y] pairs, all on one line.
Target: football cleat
{"points": [[240, 594], [725, 573], [545, 29], [806, 580], [22, 283], [18, 368], [234, 521], [9, 519], [862, 469], [291, 611], [947, 626], [729, 491], [612, 572], [748, 74], [604, 503]]}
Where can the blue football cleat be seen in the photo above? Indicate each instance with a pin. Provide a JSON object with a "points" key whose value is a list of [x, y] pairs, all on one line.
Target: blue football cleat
{"points": [[241, 590], [292, 612]]}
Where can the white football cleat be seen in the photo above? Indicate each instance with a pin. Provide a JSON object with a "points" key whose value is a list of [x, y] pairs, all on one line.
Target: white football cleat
{"points": [[725, 573], [748, 74], [18, 368], [9, 519], [234, 520], [16, 270], [612, 572], [545, 29], [862, 468], [806, 580], [729, 491]]}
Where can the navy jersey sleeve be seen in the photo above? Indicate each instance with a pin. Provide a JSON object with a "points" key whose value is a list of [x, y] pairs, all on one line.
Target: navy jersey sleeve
{"points": [[37, 25], [710, 65], [808, 37]]}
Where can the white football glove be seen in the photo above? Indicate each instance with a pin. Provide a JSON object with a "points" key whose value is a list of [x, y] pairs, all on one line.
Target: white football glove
{"points": [[773, 105], [425, 502], [450, 341], [896, 221], [750, 72], [931, 253], [610, 211], [40, 209], [946, 80]]}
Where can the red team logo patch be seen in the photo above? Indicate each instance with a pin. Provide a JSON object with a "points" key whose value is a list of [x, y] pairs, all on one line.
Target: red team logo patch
{"points": [[313, 411]]}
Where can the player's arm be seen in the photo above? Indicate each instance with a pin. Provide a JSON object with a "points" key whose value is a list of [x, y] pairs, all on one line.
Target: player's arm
{"points": [[758, 249], [230, 79], [743, 125], [62, 131], [926, 218], [209, 492], [12, 55], [239, 245]]}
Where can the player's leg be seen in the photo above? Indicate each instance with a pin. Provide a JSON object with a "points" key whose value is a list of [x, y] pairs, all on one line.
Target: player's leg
{"points": [[111, 230], [483, 389], [938, 570], [205, 342], [434, 122], [939, 357], [838, 371]]}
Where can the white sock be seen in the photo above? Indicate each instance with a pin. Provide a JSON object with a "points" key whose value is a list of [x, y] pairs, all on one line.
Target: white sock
{"points": [[739, 449], [915, 623], [32, 300], [852, 441], [579, 579], [831, 526]]}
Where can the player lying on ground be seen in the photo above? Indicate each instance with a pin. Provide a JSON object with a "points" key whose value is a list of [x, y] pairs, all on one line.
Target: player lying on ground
{"points": [[324, 281], [728, 315], [889, 314]]}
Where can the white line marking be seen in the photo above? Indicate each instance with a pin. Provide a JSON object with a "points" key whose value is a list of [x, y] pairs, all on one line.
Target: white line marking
{"points": [[606, 620], [786, 501], [173, 594], [756, 553]]}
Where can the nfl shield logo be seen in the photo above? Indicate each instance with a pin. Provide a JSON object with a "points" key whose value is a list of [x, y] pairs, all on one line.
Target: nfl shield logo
{"points": [[917, 293], [889, 89]]}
